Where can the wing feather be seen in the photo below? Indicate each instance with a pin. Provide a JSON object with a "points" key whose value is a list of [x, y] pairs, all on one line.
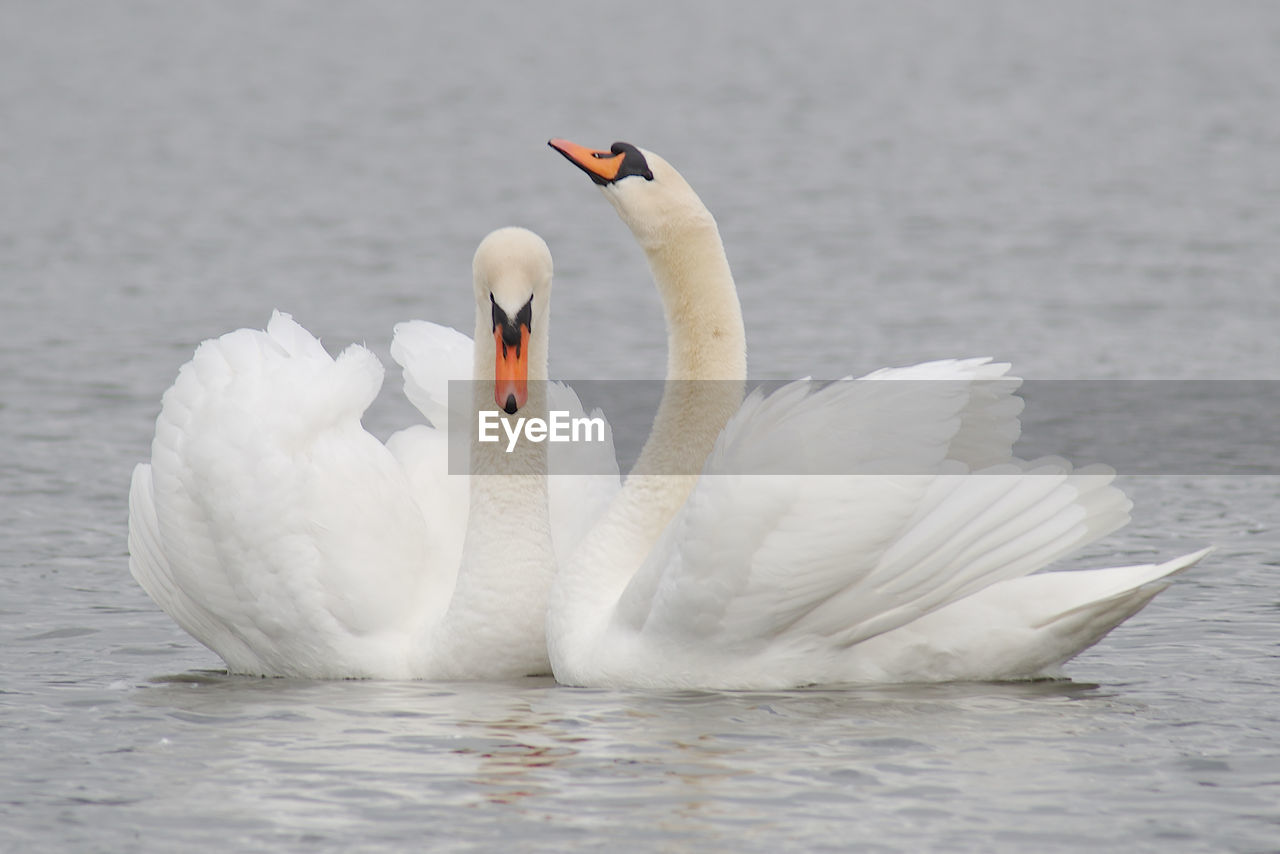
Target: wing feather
{"points": [[431, 355], [294, 531], [771, 544]]}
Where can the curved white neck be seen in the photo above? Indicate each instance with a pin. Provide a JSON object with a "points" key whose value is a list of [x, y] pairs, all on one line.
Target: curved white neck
{"points": [[508, 562], [706, 373], [706, 351]]}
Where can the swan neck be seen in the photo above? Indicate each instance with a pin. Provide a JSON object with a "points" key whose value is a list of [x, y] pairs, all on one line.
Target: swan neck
{"points": [[508, 562], [706, 351], [706, 373]]}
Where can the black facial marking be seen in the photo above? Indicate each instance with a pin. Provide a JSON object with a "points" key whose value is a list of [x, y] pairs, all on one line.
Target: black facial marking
{"points": [[633, 162], [511, 329]]}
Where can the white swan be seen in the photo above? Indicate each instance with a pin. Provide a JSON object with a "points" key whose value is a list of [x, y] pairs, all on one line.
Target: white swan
{"points": [[906, 568], [281, 535]]}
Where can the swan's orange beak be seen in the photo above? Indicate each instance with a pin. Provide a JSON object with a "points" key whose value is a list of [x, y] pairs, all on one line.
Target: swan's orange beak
{"points": [[511, 372], [602, 166]]}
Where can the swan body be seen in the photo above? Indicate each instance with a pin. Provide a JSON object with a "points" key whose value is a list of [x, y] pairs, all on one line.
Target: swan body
{"points": [[871, 530], [280, 534]]}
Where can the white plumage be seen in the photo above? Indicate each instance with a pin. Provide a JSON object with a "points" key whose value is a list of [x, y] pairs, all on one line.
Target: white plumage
{"points": [[280, 534], [877, 529]]}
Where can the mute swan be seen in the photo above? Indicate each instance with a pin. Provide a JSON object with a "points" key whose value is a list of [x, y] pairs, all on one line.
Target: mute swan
{"points": [[281, 535], [754, 576]]}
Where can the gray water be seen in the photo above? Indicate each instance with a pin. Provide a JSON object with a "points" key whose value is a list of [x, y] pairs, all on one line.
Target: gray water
{"points": [[1090, 190]]}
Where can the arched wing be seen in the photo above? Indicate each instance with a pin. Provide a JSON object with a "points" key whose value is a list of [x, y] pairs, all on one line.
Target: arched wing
{"points": [[847, 510], [277, 518]]}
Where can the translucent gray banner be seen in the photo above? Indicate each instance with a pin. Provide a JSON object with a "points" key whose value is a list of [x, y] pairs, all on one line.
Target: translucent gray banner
{"points": [[1153, 427]]}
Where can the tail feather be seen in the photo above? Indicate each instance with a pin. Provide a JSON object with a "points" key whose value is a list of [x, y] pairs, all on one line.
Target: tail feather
{"points": [[1015, 629]]}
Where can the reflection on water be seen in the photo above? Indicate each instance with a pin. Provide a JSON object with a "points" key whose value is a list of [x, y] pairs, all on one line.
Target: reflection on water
{"points": [[681, 760], [323, 763]]}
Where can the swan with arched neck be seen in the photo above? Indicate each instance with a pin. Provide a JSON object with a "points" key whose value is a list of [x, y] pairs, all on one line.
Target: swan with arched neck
{"points": [[857, 532]]}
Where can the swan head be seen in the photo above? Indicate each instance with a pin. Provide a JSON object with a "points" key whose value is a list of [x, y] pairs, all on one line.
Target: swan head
{"points": [[650, 196], [512, 276]]}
